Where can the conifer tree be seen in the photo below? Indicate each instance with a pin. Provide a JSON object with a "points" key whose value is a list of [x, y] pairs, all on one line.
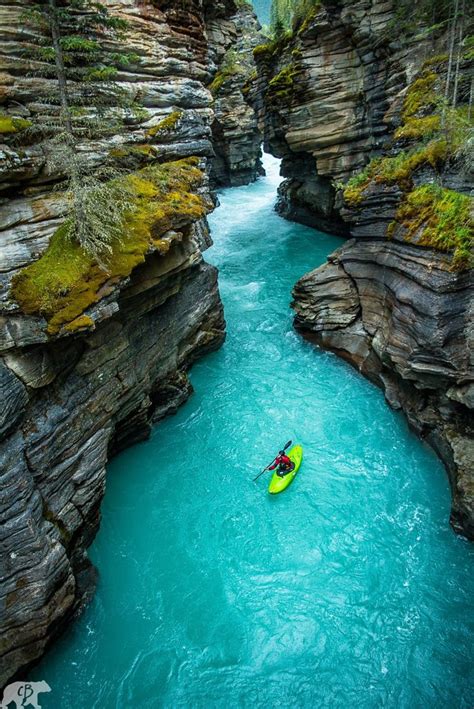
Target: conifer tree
{"points": [[86, 101]]}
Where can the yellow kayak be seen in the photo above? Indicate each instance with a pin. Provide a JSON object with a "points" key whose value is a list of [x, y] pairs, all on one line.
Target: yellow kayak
{"points": [[278, 484]]}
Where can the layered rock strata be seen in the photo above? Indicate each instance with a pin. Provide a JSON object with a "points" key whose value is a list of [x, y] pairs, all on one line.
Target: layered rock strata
{"points": [[400, 316], [402, 313], [76, 389], [236, 135], [323, 95]]}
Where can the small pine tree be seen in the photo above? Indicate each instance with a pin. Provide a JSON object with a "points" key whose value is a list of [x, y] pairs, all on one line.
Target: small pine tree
{"points": [[86, 100]]}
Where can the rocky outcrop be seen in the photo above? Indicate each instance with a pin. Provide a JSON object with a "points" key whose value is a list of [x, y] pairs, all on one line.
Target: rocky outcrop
{"points": [[405, 320], [77, 388], [395, 307], [73, 401], [236, 134], [324, 93]]}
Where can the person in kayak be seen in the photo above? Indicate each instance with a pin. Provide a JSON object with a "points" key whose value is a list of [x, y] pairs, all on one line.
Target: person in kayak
{"points": [[285, 465]]}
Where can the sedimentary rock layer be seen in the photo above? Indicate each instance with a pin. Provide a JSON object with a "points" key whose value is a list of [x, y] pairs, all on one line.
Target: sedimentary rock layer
{"points": [[70, 403], [404, 320], [73, 396], [330, 97], [324, 96], [235, 131]]}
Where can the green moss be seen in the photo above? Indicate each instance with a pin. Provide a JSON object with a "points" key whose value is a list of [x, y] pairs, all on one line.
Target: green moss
{"points": [[398, 169], [274, 47], [440, 219], [126, 150], [252, 77], [416, 128], [82, 322], [133, 156], [282, 85], [166, 125], [218, 82], [420, 95], [309, 17], [354, 189], [262, 50], [66, 281], [9, 124], [435, 61], [223, 76]]}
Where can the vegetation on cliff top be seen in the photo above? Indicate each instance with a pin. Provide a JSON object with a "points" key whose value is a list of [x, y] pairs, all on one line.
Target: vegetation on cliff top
{"points": [[67, 279], [230, 67], [291, 15], [440, 218], [288, 18], [69, 46], [436, 130]]}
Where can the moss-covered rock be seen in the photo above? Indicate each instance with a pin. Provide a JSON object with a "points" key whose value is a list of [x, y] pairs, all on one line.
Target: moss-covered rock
{"points": [[166, 125], [224, 75], [83, 322], [133, 157], [432, 134], [142, 150], [9, 124], [282, 86], [273, 48], [66, 280], [421, 96], [398, 169], [441, 219]]}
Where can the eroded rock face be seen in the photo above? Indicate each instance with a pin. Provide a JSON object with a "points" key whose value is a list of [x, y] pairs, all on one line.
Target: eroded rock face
{"points": [[325, 108], [404, 319], [330, 98], [236, 134], [70, 400]]}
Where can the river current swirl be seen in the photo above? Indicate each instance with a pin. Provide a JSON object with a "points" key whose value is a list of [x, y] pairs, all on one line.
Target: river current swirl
{"points": [[347, 590]]}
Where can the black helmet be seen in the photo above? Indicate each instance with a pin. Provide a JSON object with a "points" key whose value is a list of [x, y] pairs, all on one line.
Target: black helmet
{"points": [[281, 453]]}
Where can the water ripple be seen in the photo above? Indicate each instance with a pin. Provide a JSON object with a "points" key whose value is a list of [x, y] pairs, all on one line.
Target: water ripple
{"points": [[348, 590]]}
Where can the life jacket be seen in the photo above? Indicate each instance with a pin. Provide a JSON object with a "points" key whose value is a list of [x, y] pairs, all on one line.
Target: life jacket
{"points": [[281, 460]]}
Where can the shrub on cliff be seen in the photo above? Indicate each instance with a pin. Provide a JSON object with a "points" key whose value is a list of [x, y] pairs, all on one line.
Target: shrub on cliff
{"points": [[87, 101]]}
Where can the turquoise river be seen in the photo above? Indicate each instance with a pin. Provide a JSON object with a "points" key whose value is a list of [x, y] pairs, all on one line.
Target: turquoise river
{"points": [[348, 590]]}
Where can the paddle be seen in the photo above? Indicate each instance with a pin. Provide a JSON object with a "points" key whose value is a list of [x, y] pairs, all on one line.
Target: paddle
{"points": [[287, 445]]}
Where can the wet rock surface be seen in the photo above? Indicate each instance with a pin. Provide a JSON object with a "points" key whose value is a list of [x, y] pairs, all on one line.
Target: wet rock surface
{"points": [[330, 97], [236, 135], [73, 399]]}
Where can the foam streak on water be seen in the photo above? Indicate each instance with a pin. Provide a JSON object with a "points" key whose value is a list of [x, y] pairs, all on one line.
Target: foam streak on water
{"points": [[348, 590]]}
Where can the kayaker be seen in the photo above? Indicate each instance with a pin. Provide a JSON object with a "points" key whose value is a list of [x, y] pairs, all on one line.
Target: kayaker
{"points": [[285, 465]]}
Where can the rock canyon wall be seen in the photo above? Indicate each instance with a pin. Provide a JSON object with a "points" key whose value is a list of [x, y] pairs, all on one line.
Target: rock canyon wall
{"points": [[348, 101], [91, 356]]}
